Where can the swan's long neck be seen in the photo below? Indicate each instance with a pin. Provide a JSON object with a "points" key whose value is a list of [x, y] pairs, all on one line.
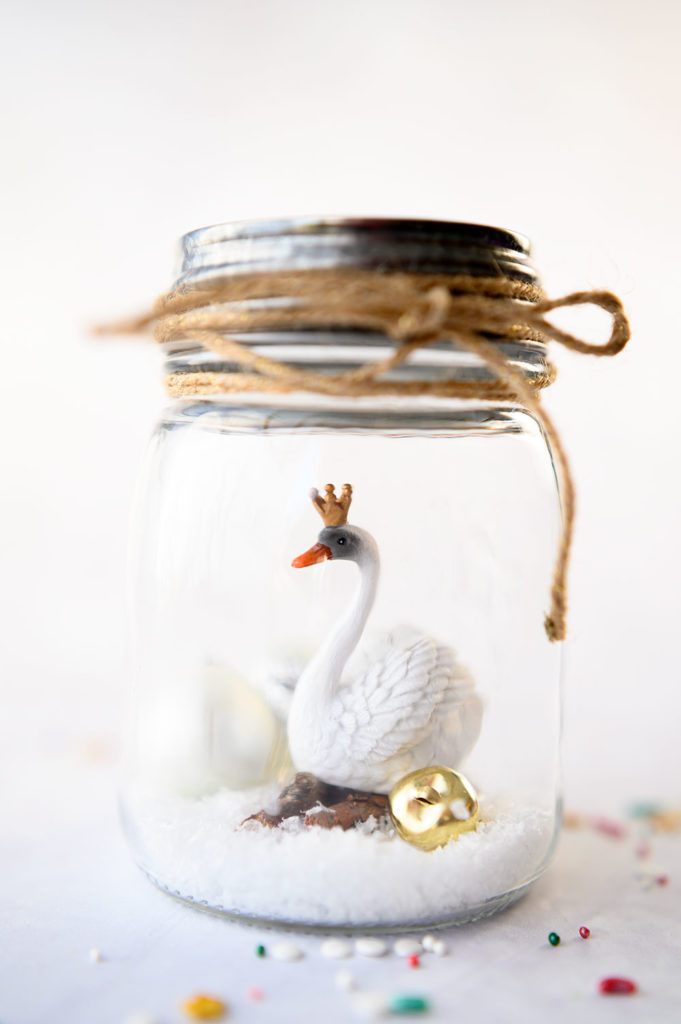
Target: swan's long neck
{"points": [[323, 674]]}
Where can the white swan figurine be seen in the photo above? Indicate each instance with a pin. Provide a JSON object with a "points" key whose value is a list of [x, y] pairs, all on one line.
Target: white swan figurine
{"points": [[413, 705]]}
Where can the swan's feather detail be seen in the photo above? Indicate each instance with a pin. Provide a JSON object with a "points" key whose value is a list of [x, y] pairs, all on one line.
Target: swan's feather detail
{"points": [[411, 704]]}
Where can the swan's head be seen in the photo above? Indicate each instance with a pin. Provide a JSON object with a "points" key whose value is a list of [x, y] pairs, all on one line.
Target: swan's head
{"points": [[339, 542]]}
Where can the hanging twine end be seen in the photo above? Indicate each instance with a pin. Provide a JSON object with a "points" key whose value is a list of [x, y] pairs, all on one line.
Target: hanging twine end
{"points": [[555, 630]]}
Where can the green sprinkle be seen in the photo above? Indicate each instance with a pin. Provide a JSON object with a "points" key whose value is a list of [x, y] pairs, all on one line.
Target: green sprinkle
{"points": [[259, 950], [554, 939], [643, 809], [409, 1004]]}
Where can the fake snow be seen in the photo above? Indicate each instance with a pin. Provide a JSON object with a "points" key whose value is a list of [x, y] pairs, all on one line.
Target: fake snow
{"points": [[199, 850]]}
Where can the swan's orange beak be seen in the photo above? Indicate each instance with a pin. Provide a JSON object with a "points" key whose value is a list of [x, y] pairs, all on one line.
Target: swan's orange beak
{"points": [[317, 553]]}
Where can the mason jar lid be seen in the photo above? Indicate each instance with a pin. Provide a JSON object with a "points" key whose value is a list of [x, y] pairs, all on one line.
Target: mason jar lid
{"points": [[381, 244]]}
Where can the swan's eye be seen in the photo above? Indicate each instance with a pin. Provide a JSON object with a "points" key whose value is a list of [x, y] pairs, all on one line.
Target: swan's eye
{"points": [[341, 540]]}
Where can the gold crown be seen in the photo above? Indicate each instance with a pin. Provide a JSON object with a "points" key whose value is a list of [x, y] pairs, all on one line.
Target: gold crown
{"points": [[333, 510]]}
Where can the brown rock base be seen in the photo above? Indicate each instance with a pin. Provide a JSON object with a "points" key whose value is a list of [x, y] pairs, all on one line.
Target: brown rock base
{"points": [[341, 808]]}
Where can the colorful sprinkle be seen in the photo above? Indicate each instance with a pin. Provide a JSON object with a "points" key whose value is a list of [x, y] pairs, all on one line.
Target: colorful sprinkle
{"points": [[439, 947], [643, 809], [666, 821], [427, 942], [585, 932], [609, 827], [413, 961], [255, 994], [617, 986], [662, 879], [407, 947], [287, 951], [203, 1007], [259, 950], [554, 938], [643, 850], [407, 1004]]}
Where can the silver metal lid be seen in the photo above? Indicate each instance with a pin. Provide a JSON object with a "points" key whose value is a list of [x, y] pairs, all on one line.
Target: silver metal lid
{"points": [[426, 246], [301, 243]]}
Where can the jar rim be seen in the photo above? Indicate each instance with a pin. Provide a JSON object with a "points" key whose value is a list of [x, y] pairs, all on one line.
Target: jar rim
{"points": [[399, 244], [480, 234]]}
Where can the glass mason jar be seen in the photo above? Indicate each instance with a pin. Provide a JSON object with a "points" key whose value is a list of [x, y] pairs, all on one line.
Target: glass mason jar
{"points": [[251, 669]]}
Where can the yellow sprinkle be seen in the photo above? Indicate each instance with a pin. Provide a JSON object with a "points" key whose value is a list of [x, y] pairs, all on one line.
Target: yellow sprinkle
{"points": [[666, 821], [203, 1007]]}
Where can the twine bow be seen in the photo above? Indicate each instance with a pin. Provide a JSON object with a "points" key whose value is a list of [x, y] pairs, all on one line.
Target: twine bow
{"points": [[415, 310]]}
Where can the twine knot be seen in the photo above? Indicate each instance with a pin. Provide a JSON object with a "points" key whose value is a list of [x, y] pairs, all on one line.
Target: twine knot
{"points": [[428, 319]]}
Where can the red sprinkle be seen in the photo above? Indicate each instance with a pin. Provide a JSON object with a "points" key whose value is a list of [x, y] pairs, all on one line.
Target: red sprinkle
{"points": [[617, 986], [256, 994], [662, 879], [585, 932], [413, 961]]}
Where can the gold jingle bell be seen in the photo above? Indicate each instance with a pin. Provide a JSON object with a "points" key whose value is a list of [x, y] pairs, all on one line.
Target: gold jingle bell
{"points": [[433, 805]]}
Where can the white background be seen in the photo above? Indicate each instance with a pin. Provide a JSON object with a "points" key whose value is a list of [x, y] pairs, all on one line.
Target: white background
{"points": [[127, 124]]}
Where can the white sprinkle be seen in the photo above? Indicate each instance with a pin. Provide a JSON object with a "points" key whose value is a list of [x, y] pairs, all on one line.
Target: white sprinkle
{"points": [[345, 980], [95, 956], [370, 1004], [336, 949], [408, 947], [286, 951], [368, 946], [439, 948], [427, 942]]}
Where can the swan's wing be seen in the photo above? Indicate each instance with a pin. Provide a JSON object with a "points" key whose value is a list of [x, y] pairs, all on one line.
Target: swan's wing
{"points": [[278, 681], [401, 695]]}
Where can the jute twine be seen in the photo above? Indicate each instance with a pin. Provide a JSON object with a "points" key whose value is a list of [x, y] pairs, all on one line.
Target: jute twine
{"points": [[415, 310]]}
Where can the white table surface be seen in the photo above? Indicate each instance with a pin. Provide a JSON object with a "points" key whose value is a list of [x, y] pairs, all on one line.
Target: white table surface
{"points": [[69, 885]]}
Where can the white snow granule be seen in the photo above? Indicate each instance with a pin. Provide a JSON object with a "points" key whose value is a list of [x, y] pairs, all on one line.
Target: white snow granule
{"points": [[317, 876]]}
